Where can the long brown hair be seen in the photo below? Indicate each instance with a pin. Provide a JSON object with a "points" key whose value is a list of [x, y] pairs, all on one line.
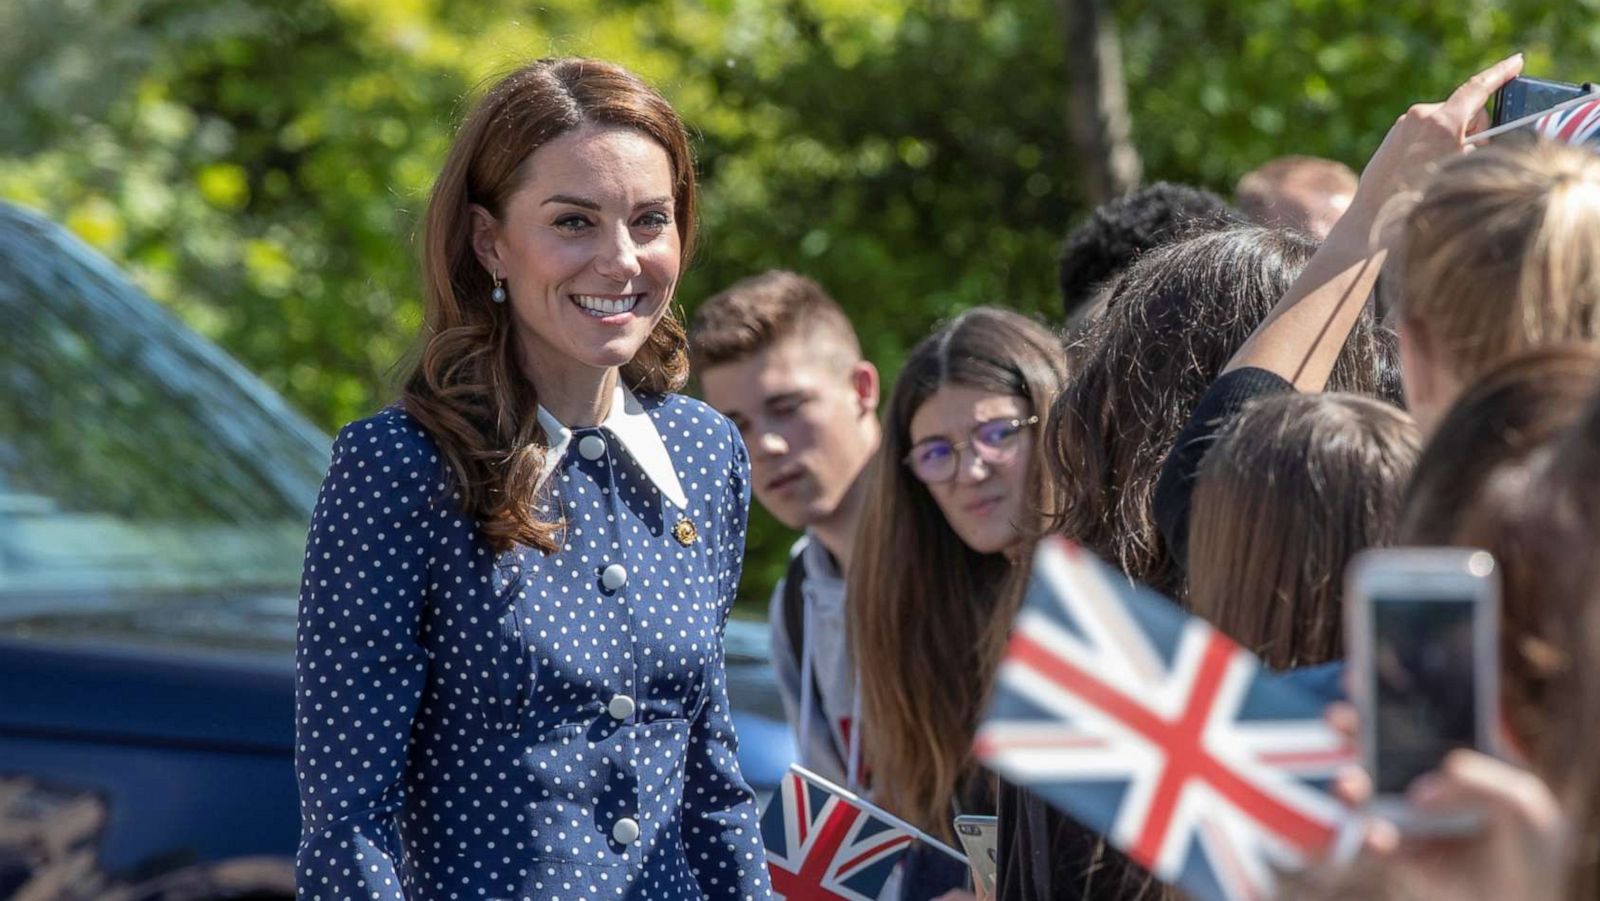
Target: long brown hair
{"points": [[1536, 516], [1170, 326], [1295, 486], [1471, 482], [928, 616], [1513, 410], [1511, 470], [466, 387]]}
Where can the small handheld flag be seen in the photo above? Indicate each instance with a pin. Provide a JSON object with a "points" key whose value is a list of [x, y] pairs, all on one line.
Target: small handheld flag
{"points": [[826, 844], [1155, 730]]}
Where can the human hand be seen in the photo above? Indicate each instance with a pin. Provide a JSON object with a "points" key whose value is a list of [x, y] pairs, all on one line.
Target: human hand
{"points": [[1519, 850], [959, 895], [1429, 132]]}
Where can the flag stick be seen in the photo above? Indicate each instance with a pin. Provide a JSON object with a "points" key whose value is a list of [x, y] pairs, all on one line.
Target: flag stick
{"points": [[877, 811], [1531, 118]]}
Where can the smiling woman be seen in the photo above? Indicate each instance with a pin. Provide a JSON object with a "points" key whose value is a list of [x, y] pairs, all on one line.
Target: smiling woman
{"points": [[514, 599], [587, 251], [520, 215]]}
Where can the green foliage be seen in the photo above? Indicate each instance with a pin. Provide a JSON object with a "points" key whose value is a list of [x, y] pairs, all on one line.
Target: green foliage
{"points": [[259, 165]]}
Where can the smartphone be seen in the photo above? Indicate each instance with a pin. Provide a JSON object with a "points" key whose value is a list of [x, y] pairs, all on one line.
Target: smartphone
{"points": [[1525, 96], [1423, 634], [977, 836]]}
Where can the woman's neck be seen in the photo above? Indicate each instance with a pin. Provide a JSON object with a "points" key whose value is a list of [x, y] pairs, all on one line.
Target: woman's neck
{"points": [[575, 394]]}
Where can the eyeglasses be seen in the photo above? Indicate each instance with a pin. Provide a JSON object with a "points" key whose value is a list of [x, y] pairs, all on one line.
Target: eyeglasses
{"points": [[935, 460]]}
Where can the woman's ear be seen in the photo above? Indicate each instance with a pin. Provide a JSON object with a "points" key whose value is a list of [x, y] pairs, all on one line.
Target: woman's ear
{"points": [[486, 240]]}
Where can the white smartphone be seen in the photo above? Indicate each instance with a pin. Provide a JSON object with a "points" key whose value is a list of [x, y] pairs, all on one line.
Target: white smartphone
{"points": [[1423, 639], [977, 836]]}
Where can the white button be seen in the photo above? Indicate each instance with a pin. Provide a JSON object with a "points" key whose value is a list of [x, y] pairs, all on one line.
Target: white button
{"points": [[614, 577], [592, 447], [621, 707], [626, 831]]}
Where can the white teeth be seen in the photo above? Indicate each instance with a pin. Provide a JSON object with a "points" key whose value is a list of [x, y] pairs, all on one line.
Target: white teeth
{"points": [[606, 306]]}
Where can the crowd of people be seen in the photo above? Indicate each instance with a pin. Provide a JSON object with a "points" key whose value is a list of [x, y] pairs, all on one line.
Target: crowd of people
{"points": [[1237, 404], [517, 577]]}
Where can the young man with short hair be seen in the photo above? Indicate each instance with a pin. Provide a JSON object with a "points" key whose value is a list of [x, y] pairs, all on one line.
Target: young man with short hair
{"points": [[776, 354]]}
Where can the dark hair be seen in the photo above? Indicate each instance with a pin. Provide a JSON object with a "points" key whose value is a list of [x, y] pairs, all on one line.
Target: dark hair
{"points": [[1569, 526], [755, 313], [923, 605], [1174, 321], [1537, 515], [1516, 408], [1293, 487], [1475, 485], [466, 387], [1118, 232]]}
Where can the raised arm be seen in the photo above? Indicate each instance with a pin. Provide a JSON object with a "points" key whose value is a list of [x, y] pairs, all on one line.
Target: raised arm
{"points": [[1302, 337], [359, 670]]}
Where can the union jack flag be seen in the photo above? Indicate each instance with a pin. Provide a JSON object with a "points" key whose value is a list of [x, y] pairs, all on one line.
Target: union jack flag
{"points": [[825, 844], [1157, 731], [1573, 125]]}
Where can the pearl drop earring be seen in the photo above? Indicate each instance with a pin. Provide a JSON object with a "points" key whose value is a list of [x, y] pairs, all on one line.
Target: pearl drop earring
{"points": [[498, 295]]}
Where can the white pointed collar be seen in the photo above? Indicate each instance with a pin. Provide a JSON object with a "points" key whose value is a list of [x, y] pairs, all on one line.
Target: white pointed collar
{"points": [[631, 426]]}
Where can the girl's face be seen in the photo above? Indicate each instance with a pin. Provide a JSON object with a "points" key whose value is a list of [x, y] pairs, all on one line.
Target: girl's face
{"points": [[985, 498], [587, 247]]}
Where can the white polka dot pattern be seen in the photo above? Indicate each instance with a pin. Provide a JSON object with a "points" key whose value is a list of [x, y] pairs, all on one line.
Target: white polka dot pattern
{"points": [[454, 728]]}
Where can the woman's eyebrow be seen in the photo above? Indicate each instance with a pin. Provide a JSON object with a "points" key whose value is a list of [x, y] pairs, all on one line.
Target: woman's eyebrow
{"points": [[588, 204], [573, 201]]}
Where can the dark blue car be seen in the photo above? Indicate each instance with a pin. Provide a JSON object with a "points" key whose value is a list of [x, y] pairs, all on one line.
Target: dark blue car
{"points": [[153, 506]]}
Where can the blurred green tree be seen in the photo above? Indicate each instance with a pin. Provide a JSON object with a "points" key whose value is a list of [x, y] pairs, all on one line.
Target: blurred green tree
{"points": [[259, 165]]}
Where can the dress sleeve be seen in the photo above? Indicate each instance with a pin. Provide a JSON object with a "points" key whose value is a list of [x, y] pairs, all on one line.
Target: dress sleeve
{"points": [[721, 827], [359, 667], [1215, 410]]}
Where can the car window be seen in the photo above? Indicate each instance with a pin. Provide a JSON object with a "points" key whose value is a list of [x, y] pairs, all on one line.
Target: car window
{"points": [[135, 456]]}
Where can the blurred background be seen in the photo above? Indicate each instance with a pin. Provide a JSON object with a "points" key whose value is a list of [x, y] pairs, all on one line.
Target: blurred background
{"points": [[258, 166]]}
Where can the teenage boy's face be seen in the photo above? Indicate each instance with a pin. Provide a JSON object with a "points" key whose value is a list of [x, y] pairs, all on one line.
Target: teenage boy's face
{"points": [[810, 424]]}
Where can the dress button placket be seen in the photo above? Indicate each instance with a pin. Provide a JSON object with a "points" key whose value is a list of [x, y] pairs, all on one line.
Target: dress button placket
{"points": [[614, 575]]}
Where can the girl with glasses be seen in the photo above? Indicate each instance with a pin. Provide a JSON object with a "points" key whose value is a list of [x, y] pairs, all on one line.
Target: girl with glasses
{"points": [[956, 498]]}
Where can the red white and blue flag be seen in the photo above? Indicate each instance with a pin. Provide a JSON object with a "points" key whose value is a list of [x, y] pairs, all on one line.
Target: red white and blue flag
{"points": [[1572, 125], [1157, 731], [825, 844]]}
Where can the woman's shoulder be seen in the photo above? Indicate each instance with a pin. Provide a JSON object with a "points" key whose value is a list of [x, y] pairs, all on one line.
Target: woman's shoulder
{"points": [[688, 423], [391, 439]]}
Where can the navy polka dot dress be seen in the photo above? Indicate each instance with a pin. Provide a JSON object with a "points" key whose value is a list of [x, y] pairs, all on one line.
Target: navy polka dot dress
{"points": [[472, 724]]}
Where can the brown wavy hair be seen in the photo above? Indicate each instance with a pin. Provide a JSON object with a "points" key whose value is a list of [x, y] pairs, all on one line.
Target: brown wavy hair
{"points": [[1171, 325], [1292, 489], [466, 386], [929, 616]]}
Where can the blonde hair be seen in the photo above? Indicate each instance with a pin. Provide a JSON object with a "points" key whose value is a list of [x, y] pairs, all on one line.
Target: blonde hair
{"points": [[1501, 253]]}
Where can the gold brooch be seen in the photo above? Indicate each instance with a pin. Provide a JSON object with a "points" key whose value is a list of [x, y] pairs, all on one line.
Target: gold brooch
{"points": [[685, 532]]}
